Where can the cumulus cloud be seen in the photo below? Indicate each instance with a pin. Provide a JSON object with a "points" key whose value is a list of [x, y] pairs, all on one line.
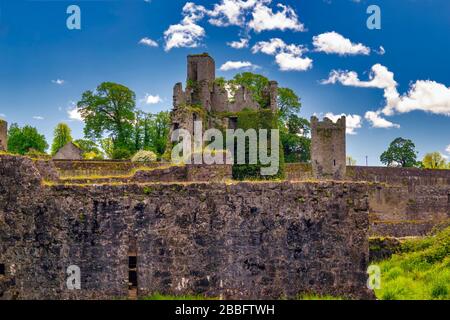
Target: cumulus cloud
{"points": [[378, 121], [148, 42], [353, 121], [234, 65], [38, 118], [242, 43], [256, 15], [423, 95], [59, 82], [150, 99], [263, 18], [2, 115], [448, 149], [187, 33], [74, 114], [333, 42], [288, 57]]}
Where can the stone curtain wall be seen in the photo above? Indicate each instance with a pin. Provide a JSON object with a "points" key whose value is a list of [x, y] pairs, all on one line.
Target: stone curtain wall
{"points": [[243, 240], [3, 135]]}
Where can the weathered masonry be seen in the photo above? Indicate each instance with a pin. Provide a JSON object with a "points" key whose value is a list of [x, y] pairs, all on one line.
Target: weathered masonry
{"points": [[230, 240], [328, 148], [3, 135]]}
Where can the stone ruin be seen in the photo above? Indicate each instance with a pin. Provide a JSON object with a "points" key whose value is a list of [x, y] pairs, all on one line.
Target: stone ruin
{"points": [[69, 152], [204, 91], [3, 135], [328, 151]]}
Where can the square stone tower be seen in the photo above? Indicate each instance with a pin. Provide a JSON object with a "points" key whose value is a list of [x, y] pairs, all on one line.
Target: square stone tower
{"points": [[328, 151], [3, 135]]}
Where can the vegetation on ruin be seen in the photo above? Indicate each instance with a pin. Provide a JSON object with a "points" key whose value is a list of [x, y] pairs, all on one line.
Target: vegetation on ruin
{"points": [[420, 272]]}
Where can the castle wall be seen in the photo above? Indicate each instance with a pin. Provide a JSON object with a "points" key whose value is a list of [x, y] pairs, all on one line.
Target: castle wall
{"points": [[3, 135], [328, 151], [239, 240], [402, 201]]}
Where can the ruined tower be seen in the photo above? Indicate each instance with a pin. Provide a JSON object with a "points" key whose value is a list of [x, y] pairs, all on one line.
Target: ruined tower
{"points": [[328, 151], [3, 135], [201, 73]]}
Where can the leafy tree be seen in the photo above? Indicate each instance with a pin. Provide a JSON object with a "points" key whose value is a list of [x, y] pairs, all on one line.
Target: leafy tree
{"points": [[255, 83], [90, 149], [22, 140], [288, 103], [110, 110], [294, 136], [107, 146], [61, 136], [434, 160], [401, 152], [294, 130], [156, 132]]}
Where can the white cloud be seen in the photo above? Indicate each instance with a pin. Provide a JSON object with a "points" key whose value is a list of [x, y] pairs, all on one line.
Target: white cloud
{"points": [[232, 12], [233, 65], [423, 95], [291, 62], [2, 115], [333, 42], [59, 82], [444, 155], [187, 33], [269, 47], [353, 121], [148, 42], [74, 114], [250, 15], [448, 149], [150, 99], [265, 19], [242, 43], [38, 118], [288, 57], [379, 122]]}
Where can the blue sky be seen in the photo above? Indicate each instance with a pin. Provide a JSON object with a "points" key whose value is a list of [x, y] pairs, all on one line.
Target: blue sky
{"points": [[306, 40]]}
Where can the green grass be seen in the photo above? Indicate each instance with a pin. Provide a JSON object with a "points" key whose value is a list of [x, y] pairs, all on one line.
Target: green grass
{"points": [[420, 272]]}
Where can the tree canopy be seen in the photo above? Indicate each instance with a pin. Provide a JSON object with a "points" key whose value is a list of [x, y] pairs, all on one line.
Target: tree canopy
{"points": [[109, 110], [61, 136], [401, 152], [434, 160], [22, 140]]}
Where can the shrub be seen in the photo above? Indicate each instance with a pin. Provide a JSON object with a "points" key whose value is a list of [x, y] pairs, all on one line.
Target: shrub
{"points": [[144, 156], [121, 154]]}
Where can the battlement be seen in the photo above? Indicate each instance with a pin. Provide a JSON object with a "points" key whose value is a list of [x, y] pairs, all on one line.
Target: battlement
{"points": [[328, 145], [3, 135]]}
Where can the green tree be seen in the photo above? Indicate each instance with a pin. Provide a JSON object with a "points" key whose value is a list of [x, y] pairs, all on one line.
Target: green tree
{"points": [[294, 136], [294, 130], [22, 140], [434, 160], [288, 103], [61, 136], [156, 132], [256, 83], [110, 110], [401, 152], [90, 149]]}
